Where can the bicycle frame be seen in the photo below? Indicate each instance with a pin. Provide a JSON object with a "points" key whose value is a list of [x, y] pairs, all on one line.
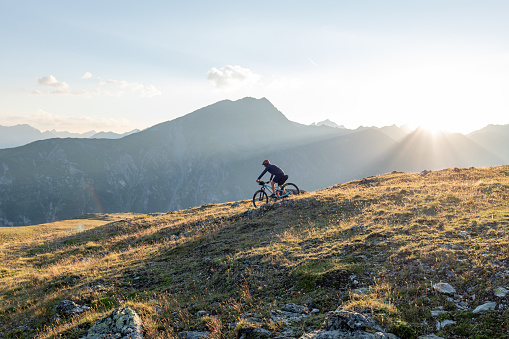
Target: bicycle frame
{"points": [[262, 195], [267, 187]]}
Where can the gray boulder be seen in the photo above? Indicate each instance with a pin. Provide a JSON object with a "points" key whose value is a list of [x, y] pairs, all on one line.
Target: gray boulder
{"points": [[500, 292], [67, 307], [294, 308], [122, 323], [193, 334], [342, 324], [488, 306], [341, 320], [444, 288]]}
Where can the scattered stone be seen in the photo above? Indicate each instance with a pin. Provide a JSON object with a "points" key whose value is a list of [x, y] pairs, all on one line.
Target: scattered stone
{"points": [[202, 313], [350, 320], [342, 324], [430, 336], [444, 288], [453, 247], [361, 291], [500, 292], [287, 333], [450, 274], [193, 334], [235, 205], [122, 323], [253, 332], [444, 323], [370, 182], [488, 306], [295, 309], [67, 307], [463, 234], [436, 313], [285, 317], [461, 305]]}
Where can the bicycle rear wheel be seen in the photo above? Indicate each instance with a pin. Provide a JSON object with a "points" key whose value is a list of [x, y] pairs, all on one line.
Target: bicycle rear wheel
{"points": [[291, 189], [260, 198]]}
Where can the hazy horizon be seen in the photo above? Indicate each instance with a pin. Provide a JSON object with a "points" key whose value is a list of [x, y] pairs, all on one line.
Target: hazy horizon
{"points": [[406, 127], [120, 66]]}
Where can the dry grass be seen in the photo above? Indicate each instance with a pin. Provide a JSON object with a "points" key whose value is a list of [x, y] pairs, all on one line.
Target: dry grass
{"points": [[375, 246]]}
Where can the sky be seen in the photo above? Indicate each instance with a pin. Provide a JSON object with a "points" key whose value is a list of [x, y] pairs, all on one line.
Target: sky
{"points": [[119, 65]]}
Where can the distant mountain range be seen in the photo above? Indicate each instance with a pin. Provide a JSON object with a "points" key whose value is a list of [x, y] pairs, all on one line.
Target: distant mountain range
{"points": [[214, 155], [19, 135]]}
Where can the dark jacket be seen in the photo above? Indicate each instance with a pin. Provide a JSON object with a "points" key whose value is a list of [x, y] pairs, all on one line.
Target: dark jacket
{"points": [[273, 170]]}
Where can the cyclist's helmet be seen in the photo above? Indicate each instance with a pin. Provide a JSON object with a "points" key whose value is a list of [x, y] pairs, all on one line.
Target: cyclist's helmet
{"points": [[265, 162]]}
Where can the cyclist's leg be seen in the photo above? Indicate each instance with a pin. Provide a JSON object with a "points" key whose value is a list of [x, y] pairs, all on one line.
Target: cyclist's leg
{"points": [[276, 179], [272, 184], [280, 184]]}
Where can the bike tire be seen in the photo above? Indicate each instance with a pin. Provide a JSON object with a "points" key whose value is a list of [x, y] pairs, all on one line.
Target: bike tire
{"points": [[292, 189], [260, 198]]}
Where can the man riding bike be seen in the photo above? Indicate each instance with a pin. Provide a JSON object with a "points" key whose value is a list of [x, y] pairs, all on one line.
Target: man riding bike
{"points": [[276, 175]]}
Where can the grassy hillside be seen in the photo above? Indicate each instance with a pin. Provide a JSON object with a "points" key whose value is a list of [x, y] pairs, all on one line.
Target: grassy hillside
{"points": [[376, 245]]}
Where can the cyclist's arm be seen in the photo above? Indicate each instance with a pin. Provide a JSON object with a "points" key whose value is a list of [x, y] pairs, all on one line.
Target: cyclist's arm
{"points": [[261, 175]]}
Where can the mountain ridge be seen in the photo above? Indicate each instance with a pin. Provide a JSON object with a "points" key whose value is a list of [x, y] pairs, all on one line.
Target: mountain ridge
{"points": [[210, 155], [23, 134]]}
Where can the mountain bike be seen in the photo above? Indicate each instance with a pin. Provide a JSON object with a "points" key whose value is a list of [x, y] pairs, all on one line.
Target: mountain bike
{"points": [[262, 197]]}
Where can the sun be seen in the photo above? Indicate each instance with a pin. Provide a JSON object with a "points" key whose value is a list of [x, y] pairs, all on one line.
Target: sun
{"points": [[434, 129], [430, 128]]}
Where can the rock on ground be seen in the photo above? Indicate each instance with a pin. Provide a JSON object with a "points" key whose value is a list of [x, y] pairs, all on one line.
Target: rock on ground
{"points": [[500, 292], [342, 324], [444, 288], [122, 323], [488, 306], [67, 307], [193, 334]]}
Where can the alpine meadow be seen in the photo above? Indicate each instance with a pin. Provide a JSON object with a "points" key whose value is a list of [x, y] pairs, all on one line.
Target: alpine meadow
{"points": [[398, 255]]}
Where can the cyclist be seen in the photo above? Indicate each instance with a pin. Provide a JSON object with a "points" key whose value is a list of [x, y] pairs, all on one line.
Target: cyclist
{"points": [[276, 175]]}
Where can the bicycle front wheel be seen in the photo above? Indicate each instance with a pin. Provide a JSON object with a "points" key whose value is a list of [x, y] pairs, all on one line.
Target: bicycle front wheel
{"points": [[260, 198], [291, 189]]}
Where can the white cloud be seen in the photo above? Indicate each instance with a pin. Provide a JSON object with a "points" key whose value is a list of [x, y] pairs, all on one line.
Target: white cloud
{"points": [[116, 88], [230, 77], [51, 81], [58, 87], [86, 76]]}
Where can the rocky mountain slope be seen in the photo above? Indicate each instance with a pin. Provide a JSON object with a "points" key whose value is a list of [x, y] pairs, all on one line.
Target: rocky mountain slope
{"points": [[408, 255], [211, 155]]}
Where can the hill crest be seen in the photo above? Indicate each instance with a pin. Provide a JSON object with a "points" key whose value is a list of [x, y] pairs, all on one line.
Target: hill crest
{"points": [[375, 246]]}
